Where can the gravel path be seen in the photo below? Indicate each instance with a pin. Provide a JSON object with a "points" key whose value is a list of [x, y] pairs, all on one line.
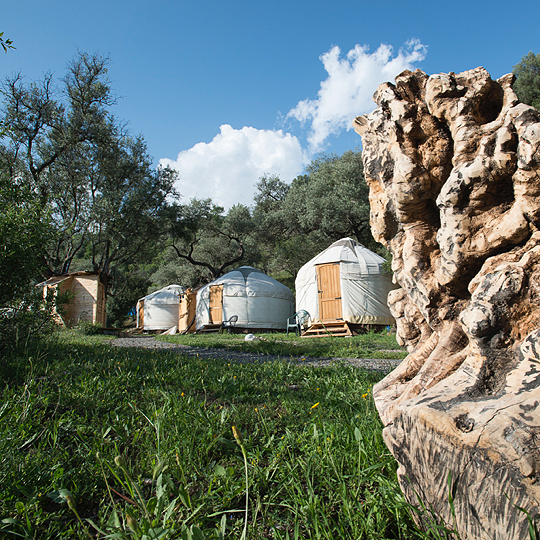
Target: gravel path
{"points": [[239, 356]]}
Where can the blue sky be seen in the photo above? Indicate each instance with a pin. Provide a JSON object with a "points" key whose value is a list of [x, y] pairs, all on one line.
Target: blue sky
{"points": [[226, 91]]}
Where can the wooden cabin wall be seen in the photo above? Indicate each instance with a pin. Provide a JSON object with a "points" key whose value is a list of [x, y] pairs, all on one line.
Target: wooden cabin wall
{"points": [[87, 303], [84, 308], [186, 312]]}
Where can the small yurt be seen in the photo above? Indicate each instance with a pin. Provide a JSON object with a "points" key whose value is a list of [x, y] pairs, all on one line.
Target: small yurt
{"points": [[345, 283], [259, 301], [160, 309]]}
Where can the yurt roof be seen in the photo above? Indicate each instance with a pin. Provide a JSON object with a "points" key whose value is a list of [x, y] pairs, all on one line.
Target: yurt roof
{"points": [[54, 280], [167, 295], [248, 281], [349, 250]]}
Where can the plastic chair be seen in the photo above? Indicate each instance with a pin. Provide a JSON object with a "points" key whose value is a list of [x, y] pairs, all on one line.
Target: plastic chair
{"points": [[297, 321], [229, 324]]}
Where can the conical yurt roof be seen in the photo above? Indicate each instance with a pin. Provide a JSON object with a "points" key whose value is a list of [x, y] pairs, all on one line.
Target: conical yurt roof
{"points": [[348, 250], [167, 295]]}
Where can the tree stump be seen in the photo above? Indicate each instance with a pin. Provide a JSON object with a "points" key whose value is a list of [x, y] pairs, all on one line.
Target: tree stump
{"points": [[453, 166]]}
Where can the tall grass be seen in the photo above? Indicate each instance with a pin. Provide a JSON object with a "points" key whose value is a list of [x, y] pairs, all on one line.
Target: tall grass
{"points": [[126, 443]]}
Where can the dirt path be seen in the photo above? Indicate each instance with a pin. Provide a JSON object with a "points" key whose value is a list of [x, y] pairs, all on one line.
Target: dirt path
{"points": [[239, 356]]}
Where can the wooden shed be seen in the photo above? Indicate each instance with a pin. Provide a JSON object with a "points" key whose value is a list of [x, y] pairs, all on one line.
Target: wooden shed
{"points": [[86, 296]]}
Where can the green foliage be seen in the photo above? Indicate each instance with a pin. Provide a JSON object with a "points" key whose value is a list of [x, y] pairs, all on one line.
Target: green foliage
{"points": [[24, 231], [88, 176], [27, 320], [128, 289], [90, 329], [208, 243], [316, 461], [6, 43], [527, 85], [296, 222]]}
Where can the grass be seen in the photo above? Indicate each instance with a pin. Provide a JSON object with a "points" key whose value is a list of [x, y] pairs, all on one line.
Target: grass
{"points": [[379, 345], [102, 442]]}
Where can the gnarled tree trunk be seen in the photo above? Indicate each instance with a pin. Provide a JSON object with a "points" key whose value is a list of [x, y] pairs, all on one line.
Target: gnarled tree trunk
{"points": [[453, 166]]}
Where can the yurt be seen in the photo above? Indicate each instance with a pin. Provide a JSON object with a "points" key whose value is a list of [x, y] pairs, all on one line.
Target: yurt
{"points": [[259, 301], [160, 309], [343, 286]]}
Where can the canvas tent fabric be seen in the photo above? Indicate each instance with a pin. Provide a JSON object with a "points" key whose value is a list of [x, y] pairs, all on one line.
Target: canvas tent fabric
{"points": [[258, 300], [363, 284], [160, 309]]}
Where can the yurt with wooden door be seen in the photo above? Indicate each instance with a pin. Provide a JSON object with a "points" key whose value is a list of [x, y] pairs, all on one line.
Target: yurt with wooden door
{"points": [[160, 309], [346, 283], [259, 301]]}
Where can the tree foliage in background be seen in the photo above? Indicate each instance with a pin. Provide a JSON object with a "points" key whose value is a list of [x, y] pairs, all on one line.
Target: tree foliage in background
{"points": [[23, 230], [527, 85], [205, 243], [95, 181], [78, 190]]}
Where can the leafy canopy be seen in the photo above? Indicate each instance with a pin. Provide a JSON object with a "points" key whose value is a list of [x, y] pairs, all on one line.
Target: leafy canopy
{"points": [[527, 85]]}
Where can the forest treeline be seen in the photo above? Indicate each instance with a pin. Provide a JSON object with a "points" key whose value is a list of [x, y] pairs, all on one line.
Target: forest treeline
{"points": [[78, 191]]}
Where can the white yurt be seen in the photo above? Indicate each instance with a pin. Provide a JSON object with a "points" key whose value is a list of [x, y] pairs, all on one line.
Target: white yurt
{"points": [[345, 282], [259, 301], [160, 309]]}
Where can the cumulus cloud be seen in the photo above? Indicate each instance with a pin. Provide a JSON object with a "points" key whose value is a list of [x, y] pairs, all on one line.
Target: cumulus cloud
{"points": [[227, 168], [347, 91]]}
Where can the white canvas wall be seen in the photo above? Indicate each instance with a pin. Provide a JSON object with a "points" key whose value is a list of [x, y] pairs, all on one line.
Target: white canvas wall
{"points": [[258, 300], [161, 308]]}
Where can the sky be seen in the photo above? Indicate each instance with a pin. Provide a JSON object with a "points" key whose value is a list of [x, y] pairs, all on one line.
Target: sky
{"points": [[227, 91]]}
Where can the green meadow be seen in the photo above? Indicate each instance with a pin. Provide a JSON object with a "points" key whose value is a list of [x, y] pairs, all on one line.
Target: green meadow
{"points": [[98, 441]]}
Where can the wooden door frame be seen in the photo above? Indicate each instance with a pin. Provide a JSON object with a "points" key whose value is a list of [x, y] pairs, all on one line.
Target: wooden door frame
{"points": [[322, 301], [210, 318]]}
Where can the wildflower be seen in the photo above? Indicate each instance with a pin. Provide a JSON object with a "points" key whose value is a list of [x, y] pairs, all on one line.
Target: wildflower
{"points": [[315, 406], [182, 394], [364, 396], [131, 523], [237, 435]]}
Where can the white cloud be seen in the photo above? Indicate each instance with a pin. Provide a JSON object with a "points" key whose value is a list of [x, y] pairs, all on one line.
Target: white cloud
{"points": [[347, 91], [227, 168]]}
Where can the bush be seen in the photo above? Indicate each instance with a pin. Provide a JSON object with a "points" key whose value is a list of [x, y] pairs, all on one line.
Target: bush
{"points": [[90, 329], [25, 321]]}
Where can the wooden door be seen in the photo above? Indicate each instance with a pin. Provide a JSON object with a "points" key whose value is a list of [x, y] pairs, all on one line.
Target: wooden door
{"points": [[216, 304], [329, 287]]}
